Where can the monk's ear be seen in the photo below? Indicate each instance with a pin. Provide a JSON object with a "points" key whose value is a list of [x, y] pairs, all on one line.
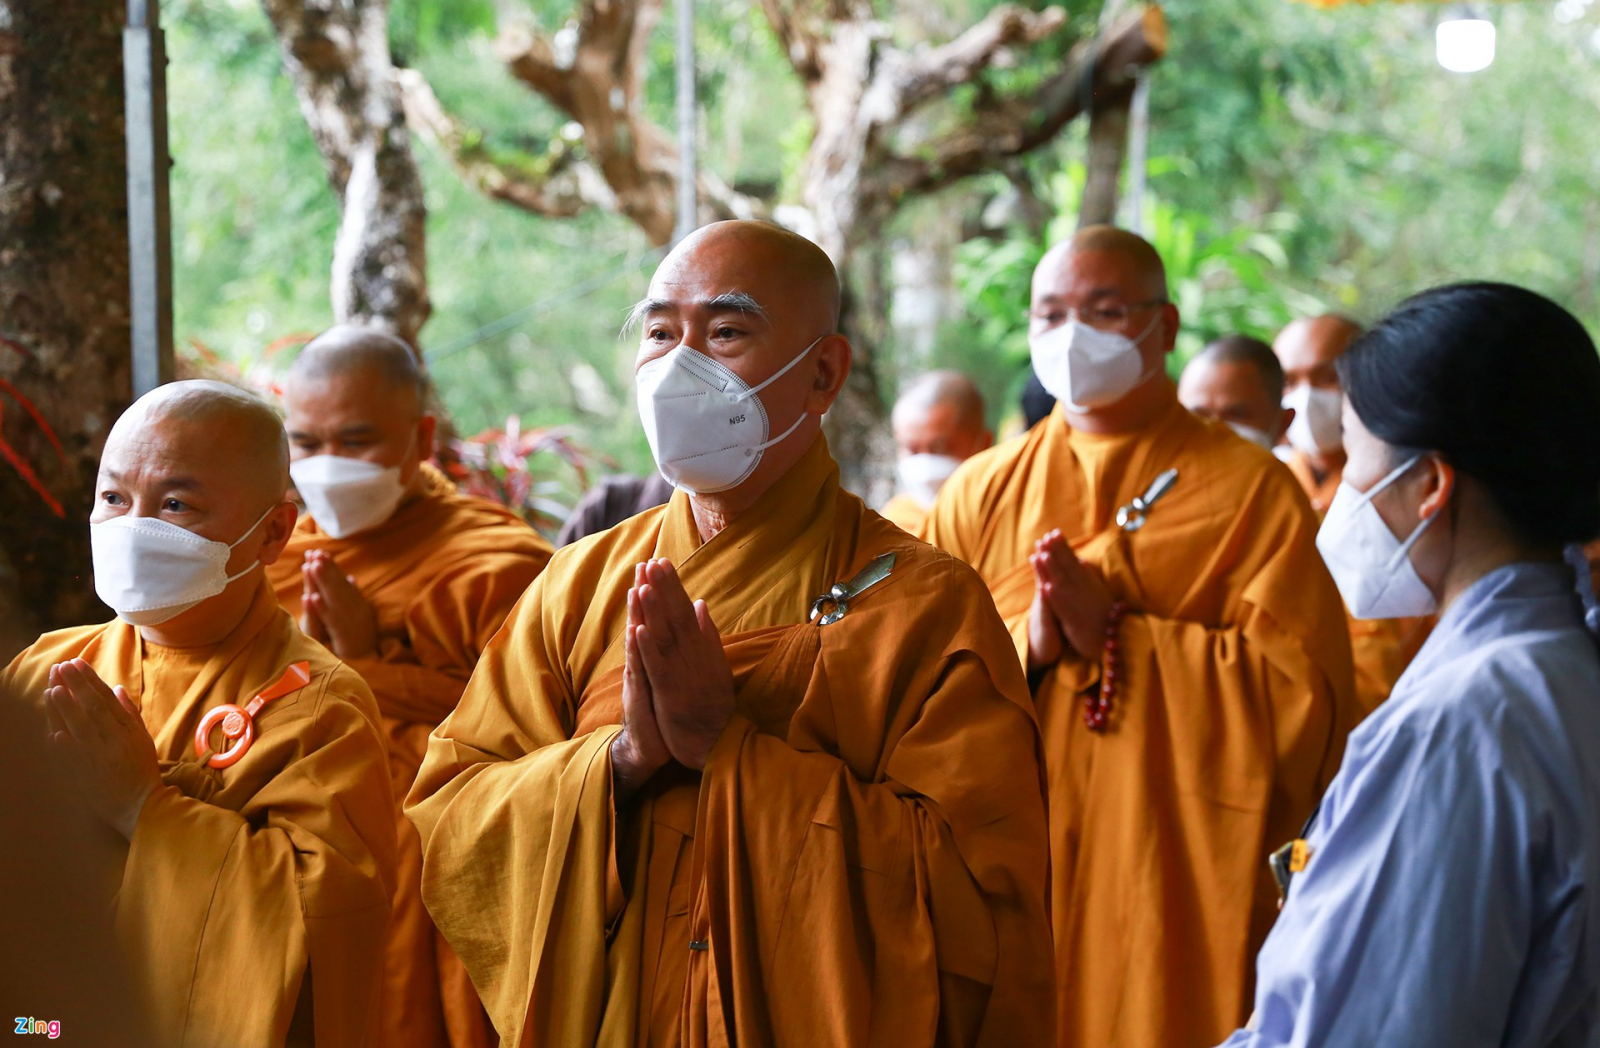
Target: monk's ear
{"points": [[1170, 319], [1283, 424], [276, 531], [833, 367]]}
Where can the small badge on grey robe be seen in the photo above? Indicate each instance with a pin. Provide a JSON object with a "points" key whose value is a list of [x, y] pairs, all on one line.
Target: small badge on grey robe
{"points": [[835, 604]]}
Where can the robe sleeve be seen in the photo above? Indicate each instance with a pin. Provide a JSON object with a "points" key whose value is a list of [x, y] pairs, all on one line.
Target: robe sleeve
{"points": [[237, 905], [516, 826], [1387, 937], [447, 626]]}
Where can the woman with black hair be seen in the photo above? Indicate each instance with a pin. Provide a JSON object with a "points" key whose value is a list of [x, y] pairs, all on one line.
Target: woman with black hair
{"points": [[1447, 893]]}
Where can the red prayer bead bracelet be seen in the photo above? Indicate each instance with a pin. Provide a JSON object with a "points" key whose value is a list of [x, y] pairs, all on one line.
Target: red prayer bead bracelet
{"points": [[1097, 704]]}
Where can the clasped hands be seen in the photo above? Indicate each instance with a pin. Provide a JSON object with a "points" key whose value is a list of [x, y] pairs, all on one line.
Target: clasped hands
{"points": [[1071, 604], [333, 611], [100, 735], [677, 686]]}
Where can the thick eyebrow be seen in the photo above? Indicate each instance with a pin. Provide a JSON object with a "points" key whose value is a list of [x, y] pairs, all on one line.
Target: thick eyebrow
{"points": [[727, 302], [361, 430]]}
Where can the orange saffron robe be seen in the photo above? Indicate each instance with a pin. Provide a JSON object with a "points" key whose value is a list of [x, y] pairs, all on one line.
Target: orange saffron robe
{"points": [[1382, 648], [863, 860], [240, 880], [442, 574], [906, 513], [1229, 717]]}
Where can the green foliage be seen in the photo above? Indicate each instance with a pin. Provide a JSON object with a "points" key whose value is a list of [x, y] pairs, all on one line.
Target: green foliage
{"points": [[1311, 159]]}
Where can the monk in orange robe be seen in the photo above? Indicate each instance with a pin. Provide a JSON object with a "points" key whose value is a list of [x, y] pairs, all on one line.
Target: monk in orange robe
{"points": [[407, 589], [1307, 350], [754, 817], [938, 424], [1186, 648], [250, 853]]}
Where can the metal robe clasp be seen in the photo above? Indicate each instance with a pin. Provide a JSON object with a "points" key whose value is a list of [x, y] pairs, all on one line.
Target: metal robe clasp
{"points": [[1132, 516], [840, 594]]}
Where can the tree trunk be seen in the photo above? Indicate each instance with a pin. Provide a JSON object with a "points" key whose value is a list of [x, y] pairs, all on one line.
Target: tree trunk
{"points": [[1108, 145], [64, 358], [337, 54]]}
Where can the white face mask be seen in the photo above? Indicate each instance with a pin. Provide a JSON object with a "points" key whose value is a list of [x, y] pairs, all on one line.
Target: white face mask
{"points": [[921, 476], [1255, 436], [706, 426], [1317, 428], [1086, 368], [1370, 566], [346, 495], [149, 570]]}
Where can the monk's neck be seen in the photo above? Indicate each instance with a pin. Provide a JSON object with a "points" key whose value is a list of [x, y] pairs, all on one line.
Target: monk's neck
{"points": [[208, 623], [1135, 412], [712, 513]]}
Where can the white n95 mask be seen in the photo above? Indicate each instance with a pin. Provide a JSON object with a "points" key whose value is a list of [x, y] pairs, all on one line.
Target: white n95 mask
{"points": [[1369, 565], [1087, 368], [150, 570], [706, 426], [1259, 437], [921, 476], [1317, 428], [346, 495]]}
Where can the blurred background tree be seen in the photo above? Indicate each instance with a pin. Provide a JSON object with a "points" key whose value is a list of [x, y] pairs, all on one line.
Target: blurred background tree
{"points": [[1302, 159]]}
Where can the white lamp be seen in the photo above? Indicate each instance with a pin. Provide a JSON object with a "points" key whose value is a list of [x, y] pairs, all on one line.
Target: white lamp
{"points": [[1465, 45]]}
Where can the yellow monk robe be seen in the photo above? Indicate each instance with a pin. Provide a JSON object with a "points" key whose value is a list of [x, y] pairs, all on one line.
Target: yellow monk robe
{"points": [[1382, 648], [906, 513], [1229, 717], [863, 860], [442, 574], [239, 880]]}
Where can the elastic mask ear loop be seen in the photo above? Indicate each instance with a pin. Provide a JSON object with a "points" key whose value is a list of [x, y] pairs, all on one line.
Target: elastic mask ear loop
{"points": [[251, 530], [753, 390], [1416, 533], [1146, 376], [780, 437]]}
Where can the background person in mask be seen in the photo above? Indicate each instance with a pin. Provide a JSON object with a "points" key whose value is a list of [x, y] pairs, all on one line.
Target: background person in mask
{"points": [[677, 821], [251, 879], [1238, 381], [1447, 894], [1190, 665], [938, 424], [405, 579], [1307, 348]]}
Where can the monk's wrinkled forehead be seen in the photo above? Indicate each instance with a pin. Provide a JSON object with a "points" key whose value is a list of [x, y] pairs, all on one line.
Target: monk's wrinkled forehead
{"points": [[770, 270], [224, 439]]}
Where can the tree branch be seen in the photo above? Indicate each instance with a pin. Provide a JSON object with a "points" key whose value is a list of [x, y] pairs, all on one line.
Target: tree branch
{"points": [[558, 185], [939, 69], [1095, 71]]}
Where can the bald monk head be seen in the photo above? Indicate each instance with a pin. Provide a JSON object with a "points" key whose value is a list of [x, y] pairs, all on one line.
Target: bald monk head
{"points": [[1112, 283], [938, 423], [1307, 348], [755, 299], [357, 393], [212, 460], [1237, 380]]}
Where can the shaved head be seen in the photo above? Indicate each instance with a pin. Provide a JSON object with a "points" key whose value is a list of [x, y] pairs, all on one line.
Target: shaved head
{"points": [[948, 389], [809, 278], [357, 353], [940, 413], [1248, 352], [1136, 259], [201, 419], [1308, 347]]}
